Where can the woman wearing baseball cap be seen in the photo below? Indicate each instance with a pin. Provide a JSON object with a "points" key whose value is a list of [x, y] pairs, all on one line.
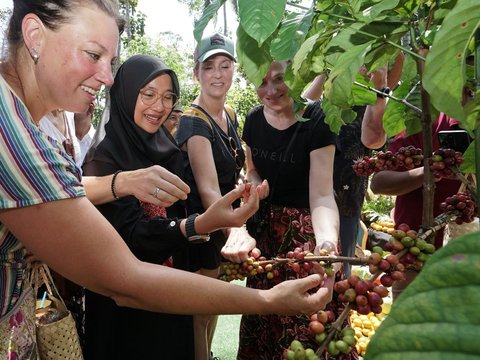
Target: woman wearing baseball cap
{"points": [[214, 157]]}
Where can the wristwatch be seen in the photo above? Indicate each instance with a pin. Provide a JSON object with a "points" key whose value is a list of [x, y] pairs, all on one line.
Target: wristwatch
{"points": [[192, 235], [384, 92]]}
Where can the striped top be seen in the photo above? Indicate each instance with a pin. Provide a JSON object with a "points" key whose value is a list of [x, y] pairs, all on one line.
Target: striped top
{"points": [[33, 170]]}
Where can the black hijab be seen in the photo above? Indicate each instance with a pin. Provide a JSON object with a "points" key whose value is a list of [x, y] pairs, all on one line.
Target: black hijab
{"points": [[119, 142]]}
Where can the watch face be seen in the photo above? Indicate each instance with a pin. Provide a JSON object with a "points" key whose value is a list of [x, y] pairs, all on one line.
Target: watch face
{"points": [[198, 239]]}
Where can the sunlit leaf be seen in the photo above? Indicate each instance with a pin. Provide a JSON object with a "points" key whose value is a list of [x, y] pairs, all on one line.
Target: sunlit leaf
{"points": [[371, 13], [303, 52], [207, 15], [360, 95], [472, 109], [406, 8], [291, 35], [254, 60], [468, 165], [397, 114], [339, 84], [360, 33], [445, 74], [437, 316], [260, 19]]}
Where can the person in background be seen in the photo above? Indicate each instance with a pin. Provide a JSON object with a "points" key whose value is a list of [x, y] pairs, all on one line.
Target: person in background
{"points": [[173, 119], [84, 130], [407, 186], [294, 157], [43, 208], [213, 159], [356, 140]]}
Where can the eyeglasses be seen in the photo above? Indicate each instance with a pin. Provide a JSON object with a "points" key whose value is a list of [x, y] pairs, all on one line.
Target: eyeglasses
{"points": [[234, 148], [69, 148], [169, 99]]}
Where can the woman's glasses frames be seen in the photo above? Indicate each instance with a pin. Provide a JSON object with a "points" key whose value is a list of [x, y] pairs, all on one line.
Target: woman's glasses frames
{"points": [[169, 99], [234, 148]]}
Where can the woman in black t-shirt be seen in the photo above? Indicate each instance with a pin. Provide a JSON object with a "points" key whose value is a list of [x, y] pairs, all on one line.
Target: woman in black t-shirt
{"points": [[296, 158], [214, 157]]}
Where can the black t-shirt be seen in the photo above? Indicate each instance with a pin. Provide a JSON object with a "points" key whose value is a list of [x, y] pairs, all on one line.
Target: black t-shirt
{"points": [[350, 188], [288, 174], [223, 155]]}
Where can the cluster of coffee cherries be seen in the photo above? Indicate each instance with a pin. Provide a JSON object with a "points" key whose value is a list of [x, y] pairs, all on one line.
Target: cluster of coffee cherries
{"points": [[415, 250], [256, 264], [362, 295], [463, 204], [250, 267], [443, 162], [320, 325], [296, 351], [408, 157], [390, 266]]}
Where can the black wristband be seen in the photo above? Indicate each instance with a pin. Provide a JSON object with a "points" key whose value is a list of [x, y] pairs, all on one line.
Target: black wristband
{"points": [[384, 92], [190, 225], [192, 235], [113, 184]]}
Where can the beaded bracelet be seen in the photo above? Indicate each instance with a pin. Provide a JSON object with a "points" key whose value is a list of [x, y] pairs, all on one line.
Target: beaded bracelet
{"points": [[113, 184]]}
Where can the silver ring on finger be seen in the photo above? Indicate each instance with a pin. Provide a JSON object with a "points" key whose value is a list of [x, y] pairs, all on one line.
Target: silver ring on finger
{"points": [[156, 192]]}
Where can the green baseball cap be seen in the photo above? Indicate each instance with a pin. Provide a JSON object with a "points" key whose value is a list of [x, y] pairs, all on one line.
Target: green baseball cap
{"points": [[212, 45]]}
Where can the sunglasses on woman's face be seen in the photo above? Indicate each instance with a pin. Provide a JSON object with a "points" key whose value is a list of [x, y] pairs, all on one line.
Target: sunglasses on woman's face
{"points": [[234, 148]]}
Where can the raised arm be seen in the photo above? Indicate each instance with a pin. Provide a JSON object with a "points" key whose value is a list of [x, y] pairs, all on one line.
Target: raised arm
{"points": [[315, 90], [373, 134], [325, 218]]}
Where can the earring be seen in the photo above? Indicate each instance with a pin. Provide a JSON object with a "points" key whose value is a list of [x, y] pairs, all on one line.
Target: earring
{"points": [[34, 55]]}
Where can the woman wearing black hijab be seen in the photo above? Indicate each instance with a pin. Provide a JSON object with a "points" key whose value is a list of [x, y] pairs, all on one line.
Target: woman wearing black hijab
{"points": [[142, 97]]}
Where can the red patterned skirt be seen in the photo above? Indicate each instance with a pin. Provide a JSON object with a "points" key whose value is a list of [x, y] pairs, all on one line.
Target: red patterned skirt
{"points": [[265, 337]]}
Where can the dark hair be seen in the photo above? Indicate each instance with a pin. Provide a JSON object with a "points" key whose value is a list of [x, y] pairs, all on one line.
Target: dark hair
{"points": [[54, 13]]}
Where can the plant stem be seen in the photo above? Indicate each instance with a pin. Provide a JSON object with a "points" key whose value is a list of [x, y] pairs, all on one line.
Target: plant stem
{"points": [[336, 327], [403, 101]]}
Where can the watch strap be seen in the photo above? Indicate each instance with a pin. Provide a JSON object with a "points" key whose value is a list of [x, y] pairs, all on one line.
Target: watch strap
{"points": [[190, 225], [192, 236]]}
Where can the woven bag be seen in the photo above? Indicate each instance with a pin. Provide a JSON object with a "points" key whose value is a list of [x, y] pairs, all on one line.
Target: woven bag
{"points": [[57, 340]]}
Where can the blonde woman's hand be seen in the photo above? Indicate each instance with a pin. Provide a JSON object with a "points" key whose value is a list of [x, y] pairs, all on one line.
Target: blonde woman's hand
{"points": [[221, 213], [238, 245], [155, 185]]}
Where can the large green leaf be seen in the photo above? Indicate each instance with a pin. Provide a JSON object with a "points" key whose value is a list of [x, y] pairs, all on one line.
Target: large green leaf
{"points": [[291, 35], [445, 74], [338, 87], [335, 116], [437, 316], [207, 15], [361, 96], [359, 33], [472, 109], [260, 19], [371, 13], [304, 51], [397, 115], [254, 60], [468, 166]]}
